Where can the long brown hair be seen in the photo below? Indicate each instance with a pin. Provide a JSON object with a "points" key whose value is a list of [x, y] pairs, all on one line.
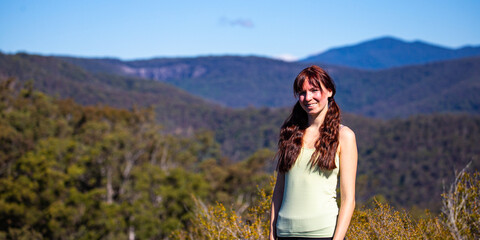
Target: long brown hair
{"points": [[293, 129]]}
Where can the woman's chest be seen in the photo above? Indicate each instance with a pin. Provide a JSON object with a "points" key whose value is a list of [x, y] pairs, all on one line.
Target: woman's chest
{"points": [[309, 138]]}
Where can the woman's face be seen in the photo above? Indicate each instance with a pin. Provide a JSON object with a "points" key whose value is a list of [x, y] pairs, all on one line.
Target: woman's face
{"points": [[312, 99]]}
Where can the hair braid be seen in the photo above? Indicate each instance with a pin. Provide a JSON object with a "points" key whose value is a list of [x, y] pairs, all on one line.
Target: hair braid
{"points": [[327, 144], [291, 134]]}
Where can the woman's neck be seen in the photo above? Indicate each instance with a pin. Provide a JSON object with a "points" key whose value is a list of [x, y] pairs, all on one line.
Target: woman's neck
{"points": [[315, 121]]}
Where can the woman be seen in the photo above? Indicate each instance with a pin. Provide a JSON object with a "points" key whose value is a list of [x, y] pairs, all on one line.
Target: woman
{"points": [[313, 149]]}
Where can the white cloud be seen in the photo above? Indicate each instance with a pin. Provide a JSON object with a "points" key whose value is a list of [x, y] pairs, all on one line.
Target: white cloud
{"points": [[247, 23], [286, 57]]}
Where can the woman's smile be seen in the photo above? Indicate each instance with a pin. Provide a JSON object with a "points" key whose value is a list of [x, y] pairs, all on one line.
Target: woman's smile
{"points": [[313, 99], [311, 104]]}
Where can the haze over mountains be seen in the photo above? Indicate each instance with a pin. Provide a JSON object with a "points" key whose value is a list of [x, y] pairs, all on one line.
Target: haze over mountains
{"points": [[387, 52], [443, 82]]}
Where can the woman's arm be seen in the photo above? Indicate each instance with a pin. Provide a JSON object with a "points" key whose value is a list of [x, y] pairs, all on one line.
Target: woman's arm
{"points": [[276, 203], [348, 171]]}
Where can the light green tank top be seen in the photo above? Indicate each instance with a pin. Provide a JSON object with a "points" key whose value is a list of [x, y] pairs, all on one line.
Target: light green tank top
{"points": [[309, 207]]}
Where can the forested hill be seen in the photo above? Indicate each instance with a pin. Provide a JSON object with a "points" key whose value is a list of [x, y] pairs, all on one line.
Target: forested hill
{"points": [[59, 78], [448, 86], [393, 153], [410, 160], [395, 156], [228, 80], [178, 111], [387, 52], [181, 112]]}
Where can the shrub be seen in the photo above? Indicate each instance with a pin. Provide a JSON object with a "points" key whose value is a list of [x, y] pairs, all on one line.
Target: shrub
{"points": [[461, 206], [460, 218], [384, 222], [217, 222]]}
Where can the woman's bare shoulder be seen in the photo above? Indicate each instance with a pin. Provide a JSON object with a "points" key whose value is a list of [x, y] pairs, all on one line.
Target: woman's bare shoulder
{"points": [[346, 133], [346, 138]]}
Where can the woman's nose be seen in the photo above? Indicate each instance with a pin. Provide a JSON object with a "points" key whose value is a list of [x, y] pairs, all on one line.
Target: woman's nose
{"points": [[308, 96]]}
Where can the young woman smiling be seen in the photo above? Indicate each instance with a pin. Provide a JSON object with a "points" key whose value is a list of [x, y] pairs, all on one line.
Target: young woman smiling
{"points": [[314, 149]]}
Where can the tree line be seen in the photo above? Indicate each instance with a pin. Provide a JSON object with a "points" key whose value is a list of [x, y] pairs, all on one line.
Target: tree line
{"points": [[83, 172], [95, 172]]}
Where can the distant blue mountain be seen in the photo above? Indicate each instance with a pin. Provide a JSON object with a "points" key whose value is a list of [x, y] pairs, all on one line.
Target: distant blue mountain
{"points": [[387, 52]]}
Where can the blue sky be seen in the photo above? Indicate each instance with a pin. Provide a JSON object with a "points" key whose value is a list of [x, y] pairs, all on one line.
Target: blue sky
{"points": [[181, 28]]}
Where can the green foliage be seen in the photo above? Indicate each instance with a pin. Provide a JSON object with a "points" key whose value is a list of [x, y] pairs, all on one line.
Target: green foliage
{"points": [[75, 172], [99, 151], [235, 185], [408, 160], [178, 111], [395, 155], [218, 222]]}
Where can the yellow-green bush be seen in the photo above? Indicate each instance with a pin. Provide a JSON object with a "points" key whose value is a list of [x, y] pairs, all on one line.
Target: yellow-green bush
{"points": [[460, 218], [384, 222], [217, 222]]}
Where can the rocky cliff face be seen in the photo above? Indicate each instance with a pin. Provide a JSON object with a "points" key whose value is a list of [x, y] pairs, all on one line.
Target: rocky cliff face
{"points": [[163, 73]]}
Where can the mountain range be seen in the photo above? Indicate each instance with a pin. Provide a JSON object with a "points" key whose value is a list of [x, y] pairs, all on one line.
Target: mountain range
{"points": [[445, 86], [396, 155], [388, 52]]}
